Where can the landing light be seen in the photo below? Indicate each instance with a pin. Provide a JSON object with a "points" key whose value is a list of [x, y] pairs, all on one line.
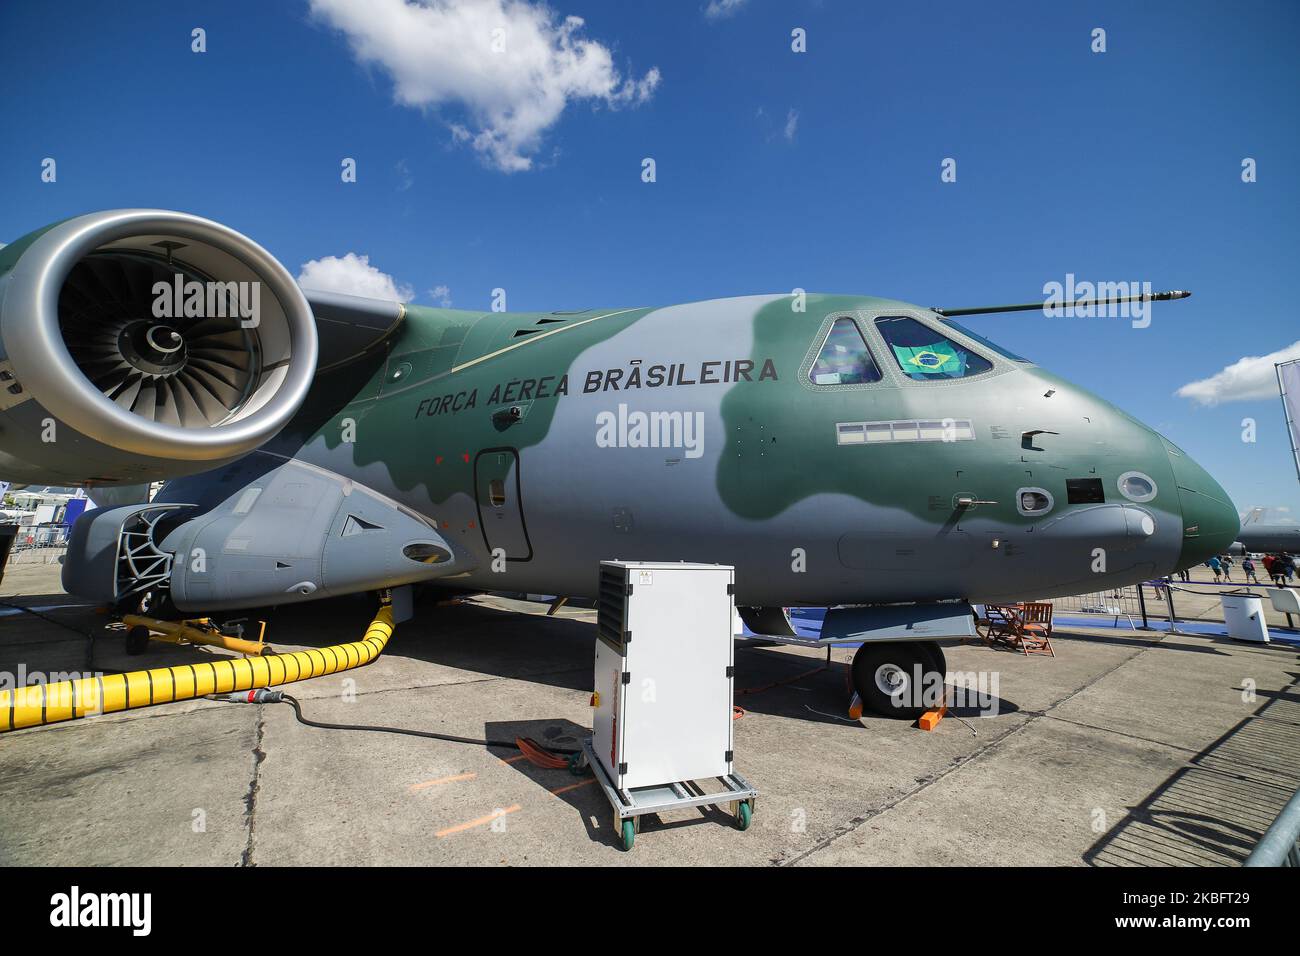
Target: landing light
{"points": [[426, 553]]}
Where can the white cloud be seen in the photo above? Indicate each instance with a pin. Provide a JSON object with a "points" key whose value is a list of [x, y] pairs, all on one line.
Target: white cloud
{"points": [[721, 9], [791, 124], [442, 295], [512, 65], [352, 275], [1248, 378]]}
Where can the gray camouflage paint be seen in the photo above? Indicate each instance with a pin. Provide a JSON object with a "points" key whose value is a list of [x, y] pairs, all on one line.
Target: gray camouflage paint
{"points": [[876, 523]]}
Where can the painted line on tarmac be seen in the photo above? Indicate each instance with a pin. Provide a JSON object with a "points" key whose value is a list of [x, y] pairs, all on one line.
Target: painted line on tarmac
{"points": [[417, 787], [462, 827], [573, 786]]}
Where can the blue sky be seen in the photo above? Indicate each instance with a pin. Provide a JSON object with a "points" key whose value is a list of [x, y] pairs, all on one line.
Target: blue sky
{"points": [[774, 169]]}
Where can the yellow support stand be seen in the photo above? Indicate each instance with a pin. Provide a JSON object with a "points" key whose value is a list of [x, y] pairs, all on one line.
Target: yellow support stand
{"points": [[197, 631]]}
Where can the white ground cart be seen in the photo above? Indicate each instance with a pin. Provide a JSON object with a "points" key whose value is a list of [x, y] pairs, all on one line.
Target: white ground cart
{"points": [[663, 691]]}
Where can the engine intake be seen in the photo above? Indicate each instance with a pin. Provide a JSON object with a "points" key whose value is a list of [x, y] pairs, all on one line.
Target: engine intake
{"points": [[141, 344]]}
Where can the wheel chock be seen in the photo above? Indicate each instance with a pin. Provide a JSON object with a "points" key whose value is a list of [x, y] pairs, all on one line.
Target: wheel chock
{"points": [[855, 707], [930, 719]]}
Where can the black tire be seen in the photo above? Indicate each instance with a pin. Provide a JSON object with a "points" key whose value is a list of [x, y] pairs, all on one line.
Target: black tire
{"points": [[879, 666], [137, 640], [936, 656], [940, 666]]}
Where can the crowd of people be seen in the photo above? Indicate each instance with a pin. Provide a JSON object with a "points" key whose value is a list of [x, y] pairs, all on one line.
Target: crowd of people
{"points": [[1278, 568]]}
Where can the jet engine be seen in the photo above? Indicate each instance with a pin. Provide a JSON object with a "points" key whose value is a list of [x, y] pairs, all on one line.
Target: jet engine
{"points": [[140, 344]]}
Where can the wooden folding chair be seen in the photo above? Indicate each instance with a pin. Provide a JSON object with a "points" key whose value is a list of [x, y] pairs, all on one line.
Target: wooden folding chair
{"points": [[1035, 635], [981, 622], [1019, 627], [1000, 624]]}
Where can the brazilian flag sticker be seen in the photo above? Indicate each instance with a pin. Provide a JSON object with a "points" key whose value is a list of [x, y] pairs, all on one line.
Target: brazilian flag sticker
{"points": [[937, 359]]}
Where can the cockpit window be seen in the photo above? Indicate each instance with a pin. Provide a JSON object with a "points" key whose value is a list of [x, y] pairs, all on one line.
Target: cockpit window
{"points": [[925, 354], [1005, 353], [844, 358]]}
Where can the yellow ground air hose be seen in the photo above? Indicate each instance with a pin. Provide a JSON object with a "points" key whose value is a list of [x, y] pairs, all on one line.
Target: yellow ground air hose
{"points": [[91, 696]]}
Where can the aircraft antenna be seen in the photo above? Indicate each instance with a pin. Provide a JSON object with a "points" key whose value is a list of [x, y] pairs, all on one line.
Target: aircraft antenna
{"points": [[1079, 304]]}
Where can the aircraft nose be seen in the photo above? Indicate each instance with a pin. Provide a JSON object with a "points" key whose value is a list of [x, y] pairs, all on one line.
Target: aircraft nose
{"points": [[1210, 520]]}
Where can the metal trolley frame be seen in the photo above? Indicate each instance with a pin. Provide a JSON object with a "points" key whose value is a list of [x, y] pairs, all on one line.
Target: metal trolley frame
{"points": [[631, 804]]}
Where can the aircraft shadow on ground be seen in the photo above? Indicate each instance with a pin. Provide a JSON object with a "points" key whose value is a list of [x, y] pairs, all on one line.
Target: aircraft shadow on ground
{"points": [[59, 640], [550, 651], [1215, 810], [1149, 642], [495, 642], [820, 697]]}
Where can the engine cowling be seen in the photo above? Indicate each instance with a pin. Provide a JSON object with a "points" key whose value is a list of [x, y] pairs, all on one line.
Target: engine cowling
{"points": [[141, 344]]}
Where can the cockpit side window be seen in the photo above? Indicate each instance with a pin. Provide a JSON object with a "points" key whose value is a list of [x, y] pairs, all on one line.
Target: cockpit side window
{"points": [[925, 354], [844, 358], [987, 343]]}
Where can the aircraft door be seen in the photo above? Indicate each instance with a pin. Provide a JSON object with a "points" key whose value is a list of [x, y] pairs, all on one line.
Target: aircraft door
{"points": [[497, 490]]}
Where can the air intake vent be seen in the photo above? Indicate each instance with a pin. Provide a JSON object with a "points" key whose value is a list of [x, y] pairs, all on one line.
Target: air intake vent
{"points": [[611, 606], [354, 525]]}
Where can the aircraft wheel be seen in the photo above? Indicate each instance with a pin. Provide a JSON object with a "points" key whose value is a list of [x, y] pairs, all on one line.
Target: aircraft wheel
{"points": [[936, 655], [885, 677], [940, 667]]}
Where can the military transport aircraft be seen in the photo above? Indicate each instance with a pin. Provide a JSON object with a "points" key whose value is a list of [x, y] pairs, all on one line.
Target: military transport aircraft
{"points": [[838, 450], [1258, 536]]}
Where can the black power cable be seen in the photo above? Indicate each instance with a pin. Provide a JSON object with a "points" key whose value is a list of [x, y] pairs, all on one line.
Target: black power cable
{"points": [[450, 738], [269, 696]]}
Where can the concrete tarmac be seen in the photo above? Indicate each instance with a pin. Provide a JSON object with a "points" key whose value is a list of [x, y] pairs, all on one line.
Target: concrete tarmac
{"points": [[1128, 748]]}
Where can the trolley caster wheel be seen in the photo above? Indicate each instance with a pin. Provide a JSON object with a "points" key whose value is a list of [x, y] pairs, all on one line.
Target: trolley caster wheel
{"points": [[629, 834], [137, 640], [744, 815]]}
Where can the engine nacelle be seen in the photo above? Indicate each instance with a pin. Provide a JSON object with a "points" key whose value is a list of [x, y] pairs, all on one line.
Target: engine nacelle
{"points": [[140, 344], [260, 532]]}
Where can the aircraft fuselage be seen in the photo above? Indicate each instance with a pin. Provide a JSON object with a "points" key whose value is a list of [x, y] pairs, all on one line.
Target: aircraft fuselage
{"points": [[739, 431]]}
